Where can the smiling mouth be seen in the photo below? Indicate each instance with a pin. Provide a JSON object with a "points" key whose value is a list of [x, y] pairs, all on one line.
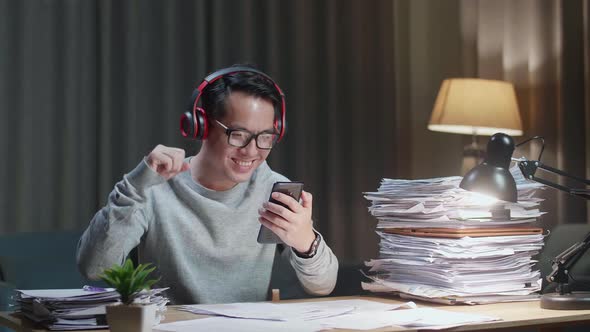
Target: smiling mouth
{"points": [[243, 163]]}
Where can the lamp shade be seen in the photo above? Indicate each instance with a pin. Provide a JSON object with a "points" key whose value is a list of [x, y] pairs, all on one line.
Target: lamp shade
{"points": [[492, 177], [476, 107]]}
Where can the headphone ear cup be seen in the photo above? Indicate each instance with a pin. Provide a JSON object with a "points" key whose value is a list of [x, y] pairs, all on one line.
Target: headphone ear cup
{"points": [[194, 124], [201, 124], [280, 127], [187, 125]]}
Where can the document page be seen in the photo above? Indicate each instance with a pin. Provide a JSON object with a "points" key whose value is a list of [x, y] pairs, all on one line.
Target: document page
{"points": [[369, 315]]}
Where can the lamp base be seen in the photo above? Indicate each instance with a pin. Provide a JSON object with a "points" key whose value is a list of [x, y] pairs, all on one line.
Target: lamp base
{"points": [[569, 301]]}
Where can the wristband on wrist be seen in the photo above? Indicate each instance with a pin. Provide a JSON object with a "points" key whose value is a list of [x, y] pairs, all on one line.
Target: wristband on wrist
{"points": [[313, 249]]}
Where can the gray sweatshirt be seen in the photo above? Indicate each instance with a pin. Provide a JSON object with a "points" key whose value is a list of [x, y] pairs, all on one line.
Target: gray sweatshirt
{"points": [[203, 242]]}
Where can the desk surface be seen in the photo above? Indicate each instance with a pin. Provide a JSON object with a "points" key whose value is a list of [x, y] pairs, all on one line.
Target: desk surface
{"points": [[513, 315]]}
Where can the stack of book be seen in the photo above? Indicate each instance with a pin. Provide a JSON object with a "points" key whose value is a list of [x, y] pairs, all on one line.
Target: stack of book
{"points": [[443, 244]]}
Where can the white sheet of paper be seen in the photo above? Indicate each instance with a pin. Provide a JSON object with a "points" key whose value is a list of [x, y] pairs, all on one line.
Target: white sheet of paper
{"points": [[422, 317], [60, 293], [292, 311], [225, 324], [364, 320], [268, 311]]}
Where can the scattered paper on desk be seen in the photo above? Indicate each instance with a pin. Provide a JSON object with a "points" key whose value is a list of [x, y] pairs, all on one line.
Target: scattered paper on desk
{"points": [[367, 318], [265, 311], [226, 324], [440, 319], [429, 318], [359, 305], [304, 311]]}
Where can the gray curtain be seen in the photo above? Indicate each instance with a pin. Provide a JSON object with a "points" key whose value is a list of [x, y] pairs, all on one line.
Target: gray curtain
{"points": [[90, 87]]}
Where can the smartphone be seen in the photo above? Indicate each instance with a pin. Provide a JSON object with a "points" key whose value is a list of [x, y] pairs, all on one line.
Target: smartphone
{"points": [[292, 189]]}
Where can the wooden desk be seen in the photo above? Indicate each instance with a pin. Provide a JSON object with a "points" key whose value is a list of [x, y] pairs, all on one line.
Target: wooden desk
{"points": [[515, 316]]}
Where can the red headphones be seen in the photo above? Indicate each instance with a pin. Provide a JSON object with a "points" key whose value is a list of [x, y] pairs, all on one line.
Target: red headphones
{"points": [[194, 123]]}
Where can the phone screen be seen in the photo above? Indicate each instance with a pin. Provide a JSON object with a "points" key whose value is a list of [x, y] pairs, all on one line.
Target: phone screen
{"points": [[292, 189]]}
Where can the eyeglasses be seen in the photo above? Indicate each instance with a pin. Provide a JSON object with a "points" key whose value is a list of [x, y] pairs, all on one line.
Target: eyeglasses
{"points": [[241, 138]]}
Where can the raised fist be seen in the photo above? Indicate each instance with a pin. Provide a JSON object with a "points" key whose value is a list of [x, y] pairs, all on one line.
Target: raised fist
{"points": [[167, 161]]}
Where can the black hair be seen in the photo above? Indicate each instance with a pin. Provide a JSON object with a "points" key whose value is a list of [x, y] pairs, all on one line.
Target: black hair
{"points": [[215, 95]]}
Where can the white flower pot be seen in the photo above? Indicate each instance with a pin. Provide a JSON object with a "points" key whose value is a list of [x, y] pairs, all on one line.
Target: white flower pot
{"points": [[131, 318]]}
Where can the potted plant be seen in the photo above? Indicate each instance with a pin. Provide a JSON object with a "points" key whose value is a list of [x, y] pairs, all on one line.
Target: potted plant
{"points": [[129, 281]]}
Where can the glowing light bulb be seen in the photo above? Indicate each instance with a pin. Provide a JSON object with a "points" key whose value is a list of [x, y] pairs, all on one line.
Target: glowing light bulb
{"points": [[482, 199]]}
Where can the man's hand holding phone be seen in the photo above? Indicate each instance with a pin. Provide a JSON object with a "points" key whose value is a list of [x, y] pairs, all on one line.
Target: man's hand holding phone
{"points": [[292, 222]]}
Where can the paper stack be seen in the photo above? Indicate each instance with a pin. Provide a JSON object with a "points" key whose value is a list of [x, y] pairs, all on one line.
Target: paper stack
{"points": [[67, 309], [441, 243], [77, 309]]}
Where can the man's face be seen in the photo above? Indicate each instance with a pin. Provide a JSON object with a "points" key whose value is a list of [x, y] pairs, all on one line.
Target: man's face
{"points": [[229, 165]]}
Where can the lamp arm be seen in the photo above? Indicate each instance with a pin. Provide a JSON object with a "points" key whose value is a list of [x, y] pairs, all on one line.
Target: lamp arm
{"points": [[565, 261], [529, 168]]}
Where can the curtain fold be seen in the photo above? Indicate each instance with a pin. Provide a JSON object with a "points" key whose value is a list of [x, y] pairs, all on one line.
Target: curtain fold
{"points": [[47, 98]]}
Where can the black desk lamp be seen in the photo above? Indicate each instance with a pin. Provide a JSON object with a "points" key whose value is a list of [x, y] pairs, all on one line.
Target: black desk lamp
{"points": [[492, 177]]}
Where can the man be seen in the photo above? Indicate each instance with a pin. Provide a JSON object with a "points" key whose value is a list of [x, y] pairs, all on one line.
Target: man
{"points": [[197, 218]]}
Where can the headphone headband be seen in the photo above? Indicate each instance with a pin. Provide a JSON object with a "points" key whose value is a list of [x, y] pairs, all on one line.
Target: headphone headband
{"points": [[195, 125]]}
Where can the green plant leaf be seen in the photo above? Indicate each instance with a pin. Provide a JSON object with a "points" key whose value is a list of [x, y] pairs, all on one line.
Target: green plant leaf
{"points": [[128, 280]]}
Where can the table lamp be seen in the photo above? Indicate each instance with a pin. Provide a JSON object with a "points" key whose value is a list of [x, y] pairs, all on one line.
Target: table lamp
{"points": [[492, 177], [473, 106]]}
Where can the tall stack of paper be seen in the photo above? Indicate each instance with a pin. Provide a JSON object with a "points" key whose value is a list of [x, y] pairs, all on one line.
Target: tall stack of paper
{"points": [[78, 309], [441, 243]]}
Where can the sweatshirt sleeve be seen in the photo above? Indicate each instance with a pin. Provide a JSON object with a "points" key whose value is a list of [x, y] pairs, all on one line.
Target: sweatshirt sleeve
{"points": [[317, 274], [117, 227]]}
